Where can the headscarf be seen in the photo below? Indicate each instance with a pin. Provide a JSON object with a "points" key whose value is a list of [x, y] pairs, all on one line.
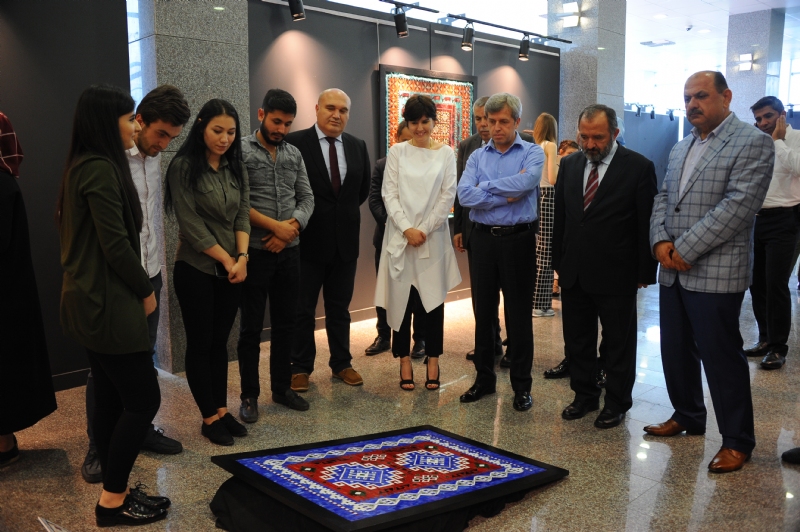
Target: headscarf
{"points": [[10, 150]]}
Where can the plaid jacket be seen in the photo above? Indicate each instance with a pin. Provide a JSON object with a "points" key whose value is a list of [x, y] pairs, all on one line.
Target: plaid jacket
{"points": [[711, 224]]}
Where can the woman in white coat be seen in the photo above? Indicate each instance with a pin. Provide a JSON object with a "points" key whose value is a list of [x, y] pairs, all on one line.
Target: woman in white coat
{"points": [[419, 188]]}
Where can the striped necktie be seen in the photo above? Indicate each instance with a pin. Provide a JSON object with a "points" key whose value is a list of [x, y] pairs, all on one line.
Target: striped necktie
{"points": [[591, 186]]}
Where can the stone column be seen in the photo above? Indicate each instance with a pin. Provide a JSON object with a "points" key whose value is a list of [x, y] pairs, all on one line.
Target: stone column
{"points": [[593, 66], [760, 34], [202, 50]]}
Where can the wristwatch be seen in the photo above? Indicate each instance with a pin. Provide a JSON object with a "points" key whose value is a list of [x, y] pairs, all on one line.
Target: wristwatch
{"points": [[245, 255]]}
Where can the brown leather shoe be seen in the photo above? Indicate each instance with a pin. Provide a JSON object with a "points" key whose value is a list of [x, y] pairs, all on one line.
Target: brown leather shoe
{"points": [[349, 376], [300, 382], [727, 460], [670, 428]]}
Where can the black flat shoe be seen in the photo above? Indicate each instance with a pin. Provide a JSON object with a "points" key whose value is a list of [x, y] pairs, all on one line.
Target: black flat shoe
{"points": [[291, 399], [758, 349], [773, 360], [522, 401], [609, 419], [476, 392], [156, 442], [378, 346], [558, 372], [505, 362], [407, 382], [578, 409], [217, 433], [471, 354], [154, 502], [91, 470], [233, 426], [432, 382], [10, 456], [248, 411], [418, 351], [131, 513]]}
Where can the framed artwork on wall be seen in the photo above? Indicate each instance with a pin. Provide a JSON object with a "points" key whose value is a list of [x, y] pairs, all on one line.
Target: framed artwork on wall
{"points": [[453, 95]]}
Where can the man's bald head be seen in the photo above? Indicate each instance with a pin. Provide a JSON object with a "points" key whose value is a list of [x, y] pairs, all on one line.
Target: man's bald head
{"points": [[707, 99], [333, 111]]}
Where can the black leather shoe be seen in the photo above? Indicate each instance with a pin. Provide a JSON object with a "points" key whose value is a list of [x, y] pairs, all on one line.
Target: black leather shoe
{"points": [[578, 409], [792, 456], [418, 351], [217, 433], [558, 372], [608, 419], [505, 362], [291, 399], [758, 349], [471, 354], [248, 411], [91, 470], [10, 456], [151, 501], [773, 360], [378, 346], [233, 426], [131, 513], [476, 392], [600, 379], [156, 442], [522, 401]]}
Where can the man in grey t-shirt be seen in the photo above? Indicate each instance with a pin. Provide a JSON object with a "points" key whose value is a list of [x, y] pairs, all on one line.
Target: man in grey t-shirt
{"points": [[281, 202]]}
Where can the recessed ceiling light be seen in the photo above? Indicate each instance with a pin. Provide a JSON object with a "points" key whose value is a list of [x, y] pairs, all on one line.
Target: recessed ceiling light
{"points": [[659, 42], [704, 31], [659, 16], [218, 8]]}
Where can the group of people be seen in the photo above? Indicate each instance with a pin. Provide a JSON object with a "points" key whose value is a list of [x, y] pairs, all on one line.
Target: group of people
{"points": [[242, 206]]}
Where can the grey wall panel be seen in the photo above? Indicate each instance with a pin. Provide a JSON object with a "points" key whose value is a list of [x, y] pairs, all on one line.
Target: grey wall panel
{"points": [[412, 51], [50, 51], [652, 138], [446, 52]]}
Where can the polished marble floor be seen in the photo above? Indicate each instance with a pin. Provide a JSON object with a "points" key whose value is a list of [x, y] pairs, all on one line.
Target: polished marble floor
{"points": [[619, 479]]}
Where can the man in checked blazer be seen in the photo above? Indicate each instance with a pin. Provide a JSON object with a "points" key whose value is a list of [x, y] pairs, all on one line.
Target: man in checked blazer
{"points": [[701, 233], [339, 172]]}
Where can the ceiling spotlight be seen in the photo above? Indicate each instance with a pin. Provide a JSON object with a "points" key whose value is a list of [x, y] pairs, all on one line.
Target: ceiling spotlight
{"points": [[524, 46], [671, 116], [652, 113], [297, 10], [400, 22], [638, 110], [469, 38]]}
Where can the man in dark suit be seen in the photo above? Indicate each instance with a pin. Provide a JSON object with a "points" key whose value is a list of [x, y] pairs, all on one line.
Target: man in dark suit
{"points": [[601, 250], [338, 170], [383, 342], [462, 225]]}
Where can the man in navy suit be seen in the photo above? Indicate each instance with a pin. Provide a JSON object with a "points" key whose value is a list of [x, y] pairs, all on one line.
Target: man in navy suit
{"points": [[339, 172], [701, 233]]}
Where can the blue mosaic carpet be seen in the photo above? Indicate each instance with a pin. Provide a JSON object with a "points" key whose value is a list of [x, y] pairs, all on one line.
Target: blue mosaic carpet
{"points": [[382, 480]]}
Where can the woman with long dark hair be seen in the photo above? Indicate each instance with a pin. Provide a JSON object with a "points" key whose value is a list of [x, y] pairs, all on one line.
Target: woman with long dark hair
{"points": [[106, 295], [207, 190]]}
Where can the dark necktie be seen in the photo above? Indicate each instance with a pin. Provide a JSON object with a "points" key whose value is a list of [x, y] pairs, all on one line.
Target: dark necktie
{"points": [[336, 179], [591, 186]]}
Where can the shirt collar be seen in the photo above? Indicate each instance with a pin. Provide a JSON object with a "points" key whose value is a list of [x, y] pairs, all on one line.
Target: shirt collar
{"points": [[223, 162], [321, 135], [696, 132], [517, 141], [134, 152]]}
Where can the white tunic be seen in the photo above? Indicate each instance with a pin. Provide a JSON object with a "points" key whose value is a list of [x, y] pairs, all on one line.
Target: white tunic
{"points": [[419, 187]]}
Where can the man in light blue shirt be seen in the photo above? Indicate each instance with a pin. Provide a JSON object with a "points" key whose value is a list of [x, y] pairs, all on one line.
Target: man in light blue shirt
{"points": [[500, 185]]}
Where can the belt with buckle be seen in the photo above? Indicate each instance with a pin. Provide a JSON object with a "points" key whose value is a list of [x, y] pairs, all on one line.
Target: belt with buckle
{"points": [[504, 230]]}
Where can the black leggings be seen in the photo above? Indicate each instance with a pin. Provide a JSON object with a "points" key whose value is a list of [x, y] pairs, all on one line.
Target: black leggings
{"points": [[127, 398], [209, 309], [433, 325]]}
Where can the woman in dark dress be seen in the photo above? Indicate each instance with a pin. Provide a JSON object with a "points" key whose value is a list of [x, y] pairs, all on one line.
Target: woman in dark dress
{"points": [[26, 387]]}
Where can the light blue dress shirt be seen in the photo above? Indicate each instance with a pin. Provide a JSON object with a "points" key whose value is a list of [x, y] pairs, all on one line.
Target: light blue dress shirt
{"points": [[491, 177], [323, 143]]}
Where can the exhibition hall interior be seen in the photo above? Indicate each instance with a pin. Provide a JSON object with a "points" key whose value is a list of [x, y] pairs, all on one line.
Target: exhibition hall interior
{"points": [[346, 448]]}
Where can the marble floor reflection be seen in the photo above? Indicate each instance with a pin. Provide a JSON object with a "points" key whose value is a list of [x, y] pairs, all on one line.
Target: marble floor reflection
{"points": [[619, 479]]}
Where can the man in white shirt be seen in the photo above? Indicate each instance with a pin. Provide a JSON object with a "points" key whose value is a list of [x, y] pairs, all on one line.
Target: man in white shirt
{"points": [[776, 231], [162, 114]]}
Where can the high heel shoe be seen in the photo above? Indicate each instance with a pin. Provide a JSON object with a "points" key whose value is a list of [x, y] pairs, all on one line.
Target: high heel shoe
{"points": [[406, 382], [430, 381]]}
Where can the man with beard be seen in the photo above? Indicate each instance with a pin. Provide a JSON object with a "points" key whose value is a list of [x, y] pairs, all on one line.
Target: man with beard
{"points": [[701, 233], [774, 237], [601, 251], [281, 202]]}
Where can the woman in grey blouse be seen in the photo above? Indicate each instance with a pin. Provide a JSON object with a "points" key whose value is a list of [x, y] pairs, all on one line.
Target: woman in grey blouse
{"points": [[207, 190]]}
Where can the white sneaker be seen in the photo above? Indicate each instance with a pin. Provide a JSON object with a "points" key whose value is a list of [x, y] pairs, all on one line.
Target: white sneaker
{"points": [[543, 313]]}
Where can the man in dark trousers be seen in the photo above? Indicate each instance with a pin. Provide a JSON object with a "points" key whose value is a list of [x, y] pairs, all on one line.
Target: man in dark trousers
{"points": [[462, 225], [501, 186], [339, 172], [601, 251], [383, 342]]}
